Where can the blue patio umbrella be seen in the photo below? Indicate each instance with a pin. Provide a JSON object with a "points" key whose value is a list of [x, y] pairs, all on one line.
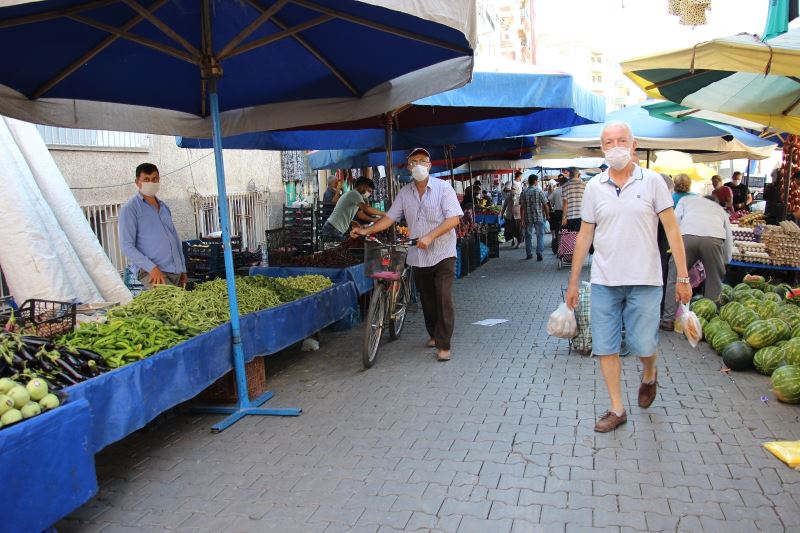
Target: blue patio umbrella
{"points": [[513, 147], [494, 105], [209, 68]]}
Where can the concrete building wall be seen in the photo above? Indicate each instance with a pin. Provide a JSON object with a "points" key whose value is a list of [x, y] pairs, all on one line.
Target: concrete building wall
{"points": [[103, 177]]}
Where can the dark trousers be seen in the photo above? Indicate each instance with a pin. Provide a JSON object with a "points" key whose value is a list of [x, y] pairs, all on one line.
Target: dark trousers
{"points": [[555, 227], [435, 286]]}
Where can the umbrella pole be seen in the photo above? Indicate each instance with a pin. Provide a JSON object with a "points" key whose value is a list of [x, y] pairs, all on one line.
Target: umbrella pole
{"points": [[387, 139], [648, 159], [244, 406]]}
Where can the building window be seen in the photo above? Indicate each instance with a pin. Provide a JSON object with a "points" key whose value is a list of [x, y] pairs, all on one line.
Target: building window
{"points": [[76, 139], [597, 77], [597, 58]]}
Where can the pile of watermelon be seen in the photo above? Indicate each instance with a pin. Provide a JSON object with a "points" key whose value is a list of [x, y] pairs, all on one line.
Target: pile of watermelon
{"points": [[757, 325]]}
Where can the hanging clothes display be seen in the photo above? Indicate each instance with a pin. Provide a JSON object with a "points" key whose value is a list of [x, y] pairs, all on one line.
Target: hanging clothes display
{"points": [[690, 12], [295, 167]]}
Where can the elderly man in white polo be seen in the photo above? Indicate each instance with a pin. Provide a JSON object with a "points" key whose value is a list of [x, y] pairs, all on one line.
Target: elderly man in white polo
{"points": [[430, 207], [621, 210]]}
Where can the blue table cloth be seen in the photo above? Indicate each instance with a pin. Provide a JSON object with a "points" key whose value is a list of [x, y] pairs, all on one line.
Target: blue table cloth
{"points": [[742, 264], [125, 399], [47, 468], [353, 273], [489, 219]]}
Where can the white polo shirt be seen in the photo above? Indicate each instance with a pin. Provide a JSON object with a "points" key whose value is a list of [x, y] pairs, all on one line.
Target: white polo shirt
{"points": [[626, 226]]}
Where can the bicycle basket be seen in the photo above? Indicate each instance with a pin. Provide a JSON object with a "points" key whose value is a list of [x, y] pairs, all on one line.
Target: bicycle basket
{"points": [[384, 261]]}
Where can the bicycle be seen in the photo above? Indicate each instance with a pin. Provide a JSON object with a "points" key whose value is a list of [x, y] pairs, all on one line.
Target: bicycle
{"points": [[392, 295]]}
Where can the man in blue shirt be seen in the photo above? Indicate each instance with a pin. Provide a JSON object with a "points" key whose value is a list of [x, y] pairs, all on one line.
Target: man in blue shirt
{"points": [[147, 235]]}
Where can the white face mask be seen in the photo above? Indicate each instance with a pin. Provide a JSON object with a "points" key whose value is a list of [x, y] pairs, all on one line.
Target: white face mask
{"points": [[366, 195], [149, 189], [618, 157], [419, 172]]}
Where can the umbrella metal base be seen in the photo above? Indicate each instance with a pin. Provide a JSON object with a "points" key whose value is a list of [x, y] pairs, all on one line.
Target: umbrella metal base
{"points": [[237, 412]]}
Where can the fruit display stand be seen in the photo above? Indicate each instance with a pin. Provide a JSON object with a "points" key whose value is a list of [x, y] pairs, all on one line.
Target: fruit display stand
{"points": [[47, 468], [125, 399]]}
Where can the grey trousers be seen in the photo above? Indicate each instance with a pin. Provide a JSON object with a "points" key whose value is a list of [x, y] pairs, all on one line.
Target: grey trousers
{"points": [[709, 250]]}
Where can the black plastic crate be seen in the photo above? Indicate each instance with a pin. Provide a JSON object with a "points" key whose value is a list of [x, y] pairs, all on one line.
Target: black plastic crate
{"points": [[44, 318], [236, 241]]}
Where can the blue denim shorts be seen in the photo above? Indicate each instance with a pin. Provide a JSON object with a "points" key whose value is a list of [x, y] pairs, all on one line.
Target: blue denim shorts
{"points": [[637, 307]]}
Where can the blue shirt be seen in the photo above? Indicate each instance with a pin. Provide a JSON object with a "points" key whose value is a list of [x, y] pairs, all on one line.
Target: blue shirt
{"points": [[676, 196], [148, 237]]}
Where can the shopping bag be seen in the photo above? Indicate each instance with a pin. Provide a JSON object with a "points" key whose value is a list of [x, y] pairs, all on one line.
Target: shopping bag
{"points": [[562, 322], [787, 451], [697, 274], [690, 325], [546, 226]]}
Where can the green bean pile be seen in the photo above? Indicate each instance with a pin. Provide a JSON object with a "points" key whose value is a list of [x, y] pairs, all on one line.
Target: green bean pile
{"points": [[166, 315]]}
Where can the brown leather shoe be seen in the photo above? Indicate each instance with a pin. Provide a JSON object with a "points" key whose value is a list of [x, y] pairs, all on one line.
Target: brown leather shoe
{"points": [[667, 325], [647, 393], [610, 421]]}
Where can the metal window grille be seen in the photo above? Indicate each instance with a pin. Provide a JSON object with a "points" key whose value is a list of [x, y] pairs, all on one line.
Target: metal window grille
{"points": [[248, 211], [104, 221], [100, 139]]}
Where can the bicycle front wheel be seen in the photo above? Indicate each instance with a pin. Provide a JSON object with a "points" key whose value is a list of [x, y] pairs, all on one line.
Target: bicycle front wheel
{"points": [[397, 316], [373, 329]]}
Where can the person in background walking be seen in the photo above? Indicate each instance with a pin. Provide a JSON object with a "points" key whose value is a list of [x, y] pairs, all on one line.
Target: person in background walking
{"points": [[430, 207], [621, 210], [572, 200], [147, 235], [557, 206], [663, 245], [333, 192], [741, 193], [511, 215], [683, 186], [534, 210], [722, 193], [707, 237]]}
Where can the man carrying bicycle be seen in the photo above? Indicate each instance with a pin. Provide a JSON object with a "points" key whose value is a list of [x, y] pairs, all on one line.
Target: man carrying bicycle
{"points": [[431, 210]]}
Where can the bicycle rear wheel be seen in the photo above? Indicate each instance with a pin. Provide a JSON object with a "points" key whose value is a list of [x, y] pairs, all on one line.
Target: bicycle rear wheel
{"points": [[397, 312], [373, 327]]}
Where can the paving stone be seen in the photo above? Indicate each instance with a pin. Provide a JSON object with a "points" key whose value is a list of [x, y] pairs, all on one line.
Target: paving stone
{"points": [[500, 439]]}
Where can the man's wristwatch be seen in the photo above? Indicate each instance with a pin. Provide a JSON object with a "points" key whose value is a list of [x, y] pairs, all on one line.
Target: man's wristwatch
{"points": [[683, 280]]}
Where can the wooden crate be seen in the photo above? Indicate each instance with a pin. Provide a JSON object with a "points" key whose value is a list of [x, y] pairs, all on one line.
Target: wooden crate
{"points": [[223, 391]]}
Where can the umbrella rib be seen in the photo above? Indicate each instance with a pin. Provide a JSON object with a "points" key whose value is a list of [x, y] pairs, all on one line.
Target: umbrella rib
{"points": [[382, 27], [676, 79], [791, 107], [135, 38], [105, 43], [56, 13], [280, 35], [313, 51], [166, 30], [266, 14]]}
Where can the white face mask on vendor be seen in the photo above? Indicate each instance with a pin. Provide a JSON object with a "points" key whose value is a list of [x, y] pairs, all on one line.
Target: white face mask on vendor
{"points": [[149, 188], [419, 172]]}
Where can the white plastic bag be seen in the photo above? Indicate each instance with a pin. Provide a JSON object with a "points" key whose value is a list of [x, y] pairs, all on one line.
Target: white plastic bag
{"points": [[690, 325], [562, 322]]}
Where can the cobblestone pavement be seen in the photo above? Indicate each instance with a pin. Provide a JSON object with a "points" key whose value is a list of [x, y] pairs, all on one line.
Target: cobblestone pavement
{"points": [[499, 439]]}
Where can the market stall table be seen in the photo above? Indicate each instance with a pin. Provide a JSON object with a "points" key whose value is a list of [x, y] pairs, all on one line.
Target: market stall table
{"points": [[47, 468], [496, 219], [795, 271], [125, 399], [353, 273]]}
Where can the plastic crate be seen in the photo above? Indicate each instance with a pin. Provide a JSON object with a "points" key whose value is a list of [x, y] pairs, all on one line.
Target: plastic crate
{"points": [[224, 391], [44, 318]]}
